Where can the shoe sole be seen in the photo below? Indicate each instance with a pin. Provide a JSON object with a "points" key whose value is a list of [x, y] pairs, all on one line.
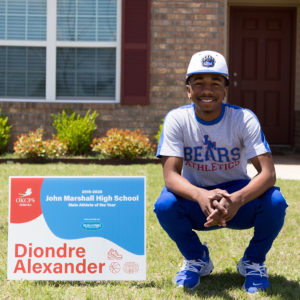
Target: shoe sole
{"points": [[259, 290]]}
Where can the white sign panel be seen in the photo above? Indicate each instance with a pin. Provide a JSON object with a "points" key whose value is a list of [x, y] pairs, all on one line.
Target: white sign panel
{"points": [[77, 228]]}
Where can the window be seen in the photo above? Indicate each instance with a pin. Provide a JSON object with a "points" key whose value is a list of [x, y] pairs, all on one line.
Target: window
{"points": [[22, 72], [60, 50]]}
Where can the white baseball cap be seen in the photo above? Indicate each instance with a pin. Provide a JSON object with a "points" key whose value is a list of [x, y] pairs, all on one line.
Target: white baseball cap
{"points": [[207, 62]]}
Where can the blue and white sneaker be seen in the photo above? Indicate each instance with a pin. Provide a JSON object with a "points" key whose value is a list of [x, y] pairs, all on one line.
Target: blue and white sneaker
{"points": [[189, 275], [256, 276]]}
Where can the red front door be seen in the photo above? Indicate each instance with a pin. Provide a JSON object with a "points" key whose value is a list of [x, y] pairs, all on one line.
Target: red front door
{"points": [[261, 63]]}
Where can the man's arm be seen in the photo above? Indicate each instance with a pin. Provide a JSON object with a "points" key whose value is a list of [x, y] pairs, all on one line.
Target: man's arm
{"points": [[265, 178], [172, 167]]}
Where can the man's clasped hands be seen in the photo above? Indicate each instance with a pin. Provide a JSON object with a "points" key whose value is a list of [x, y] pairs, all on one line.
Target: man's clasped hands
{"points": [[220, 207]]}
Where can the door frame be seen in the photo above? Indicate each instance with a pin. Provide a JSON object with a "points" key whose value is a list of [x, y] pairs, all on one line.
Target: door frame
{"points": [[292, 85]]}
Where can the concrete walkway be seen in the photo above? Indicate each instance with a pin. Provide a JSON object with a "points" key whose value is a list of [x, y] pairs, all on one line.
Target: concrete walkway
{"points": [[287, 166]]}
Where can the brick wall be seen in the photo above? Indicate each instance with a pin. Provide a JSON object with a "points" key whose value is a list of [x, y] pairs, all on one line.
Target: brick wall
{"points": [[25, 116], [178, 29]]}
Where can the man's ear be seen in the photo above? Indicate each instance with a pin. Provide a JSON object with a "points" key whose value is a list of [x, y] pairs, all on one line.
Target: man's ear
{"points": [[188, 91], [225, 92]]}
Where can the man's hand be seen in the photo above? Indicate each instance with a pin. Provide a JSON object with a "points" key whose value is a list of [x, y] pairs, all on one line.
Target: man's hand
{"points": [[225, 208], [208, 206]]}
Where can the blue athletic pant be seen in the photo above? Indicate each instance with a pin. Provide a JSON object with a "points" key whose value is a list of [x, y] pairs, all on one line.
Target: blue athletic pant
{"points": [[179, 216]]}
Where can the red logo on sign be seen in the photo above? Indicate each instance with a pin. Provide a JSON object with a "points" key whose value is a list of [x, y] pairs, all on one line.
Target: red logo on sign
{"points": [[131, 267], [114, 267], [114, 255], [25, 199]]}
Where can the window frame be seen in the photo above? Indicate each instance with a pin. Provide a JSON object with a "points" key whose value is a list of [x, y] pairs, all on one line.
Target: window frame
{"points": [[51, 44]]}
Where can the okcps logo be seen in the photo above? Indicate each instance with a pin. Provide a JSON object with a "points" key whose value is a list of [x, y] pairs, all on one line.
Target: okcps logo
{"points": [[25, 199]]}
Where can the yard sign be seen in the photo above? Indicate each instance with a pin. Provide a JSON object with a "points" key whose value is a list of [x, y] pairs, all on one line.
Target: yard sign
{"points": [[76, 228]]}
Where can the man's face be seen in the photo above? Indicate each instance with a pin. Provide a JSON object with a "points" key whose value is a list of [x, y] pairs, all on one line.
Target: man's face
{"points": [[207, 91]]}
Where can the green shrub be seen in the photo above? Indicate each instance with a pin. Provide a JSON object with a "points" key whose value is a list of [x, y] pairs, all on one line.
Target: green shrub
{"points": [[123, 144], [4, 131], [75, 130], [32, 146], [157, 137]]}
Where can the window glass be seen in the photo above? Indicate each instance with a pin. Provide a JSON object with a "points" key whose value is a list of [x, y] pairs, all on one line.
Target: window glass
{"points": [[86, 73], [23, 19], [83, 70], [86, 20], [22, 71]]}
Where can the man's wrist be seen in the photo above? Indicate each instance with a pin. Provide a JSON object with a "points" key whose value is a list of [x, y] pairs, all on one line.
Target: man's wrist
{"points": [[239, 198], [199, 195]]}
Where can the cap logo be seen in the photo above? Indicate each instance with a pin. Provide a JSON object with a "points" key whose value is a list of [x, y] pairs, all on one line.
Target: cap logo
{"points": [[208, 61]]}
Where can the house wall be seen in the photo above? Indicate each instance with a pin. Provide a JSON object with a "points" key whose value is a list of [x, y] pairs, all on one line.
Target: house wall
{"points": [[178, 29], [287, 3]]}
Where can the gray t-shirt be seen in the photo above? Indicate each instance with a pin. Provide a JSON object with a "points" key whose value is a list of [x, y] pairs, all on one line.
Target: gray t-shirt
{"points": [[213, 152]]}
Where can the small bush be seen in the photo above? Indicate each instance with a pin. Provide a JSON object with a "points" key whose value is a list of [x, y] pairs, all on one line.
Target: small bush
{"points": [[75, 130], [4, 131], [123, 144], [32, 146], [55, 148]]}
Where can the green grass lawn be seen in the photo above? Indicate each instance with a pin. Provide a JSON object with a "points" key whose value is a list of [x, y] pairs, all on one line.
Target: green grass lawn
{"points": [[163, 258]]}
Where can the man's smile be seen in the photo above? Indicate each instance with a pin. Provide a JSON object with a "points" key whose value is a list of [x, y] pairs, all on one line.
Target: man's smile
{"points": [[206, 100]]}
